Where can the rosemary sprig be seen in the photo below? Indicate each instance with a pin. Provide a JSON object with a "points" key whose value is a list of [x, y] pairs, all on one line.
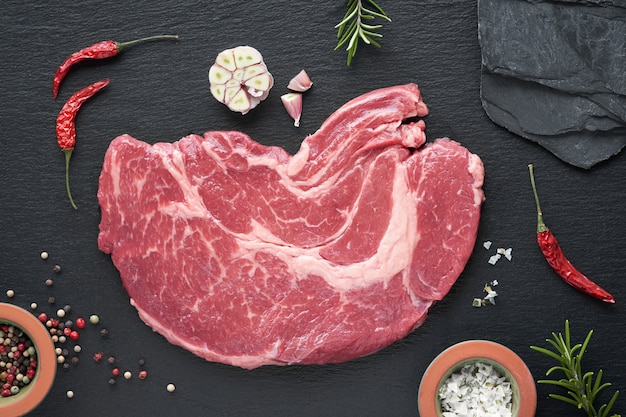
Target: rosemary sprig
{"points": [[353, 26], [581, 387]]}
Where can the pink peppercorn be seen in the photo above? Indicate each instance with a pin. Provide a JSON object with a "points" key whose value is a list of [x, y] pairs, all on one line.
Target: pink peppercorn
{"points": [[43, 317], [143, 374], [74, 335], [115, 372], [80, 323]]}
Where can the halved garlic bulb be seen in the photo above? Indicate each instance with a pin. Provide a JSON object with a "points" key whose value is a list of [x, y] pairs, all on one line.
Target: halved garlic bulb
{"points": [[240, 79]]}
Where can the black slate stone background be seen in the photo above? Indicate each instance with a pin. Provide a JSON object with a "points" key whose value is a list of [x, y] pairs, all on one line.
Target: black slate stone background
{"points": [[553, 73], [159, 92]]}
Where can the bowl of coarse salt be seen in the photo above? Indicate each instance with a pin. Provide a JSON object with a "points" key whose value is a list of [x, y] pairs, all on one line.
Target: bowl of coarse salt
{"points": [[28, 362], [477, 378]]}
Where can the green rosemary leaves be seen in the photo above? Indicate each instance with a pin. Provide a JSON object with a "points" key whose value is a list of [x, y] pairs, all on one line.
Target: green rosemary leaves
{"points": [[353, 27], [582, 388]]}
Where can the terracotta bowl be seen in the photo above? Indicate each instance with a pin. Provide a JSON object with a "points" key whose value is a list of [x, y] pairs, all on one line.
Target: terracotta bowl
{"points": [[31, 395], [504, 360]]}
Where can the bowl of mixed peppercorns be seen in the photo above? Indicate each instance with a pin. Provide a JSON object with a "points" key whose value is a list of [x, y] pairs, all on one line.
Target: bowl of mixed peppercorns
{"points": [[479, 378], [27, 361]]}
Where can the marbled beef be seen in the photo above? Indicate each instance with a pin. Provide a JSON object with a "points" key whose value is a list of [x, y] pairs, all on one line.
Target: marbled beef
{"points": [[246, 255]]}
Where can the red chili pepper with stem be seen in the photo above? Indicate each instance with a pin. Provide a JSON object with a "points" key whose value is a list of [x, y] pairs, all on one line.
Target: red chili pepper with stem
{"points": [[66, 127], [100, 50], [556, 258]]}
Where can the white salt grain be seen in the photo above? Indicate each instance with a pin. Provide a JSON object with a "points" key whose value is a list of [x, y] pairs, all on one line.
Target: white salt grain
{"points": [[476, 390], [494, 258]]}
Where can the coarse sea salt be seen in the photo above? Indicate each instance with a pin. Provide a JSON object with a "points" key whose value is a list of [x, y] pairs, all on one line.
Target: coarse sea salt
{"points": [[476, 390]]}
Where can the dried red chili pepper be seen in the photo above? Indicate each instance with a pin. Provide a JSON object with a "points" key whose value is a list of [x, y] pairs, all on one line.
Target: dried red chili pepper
{"points": [[556, 258], [66, 127], [100, 50]]}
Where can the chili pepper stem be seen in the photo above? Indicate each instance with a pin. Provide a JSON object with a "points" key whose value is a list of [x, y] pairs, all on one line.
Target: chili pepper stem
{"points": [[68, 155], [122, 45], [541, 226]]}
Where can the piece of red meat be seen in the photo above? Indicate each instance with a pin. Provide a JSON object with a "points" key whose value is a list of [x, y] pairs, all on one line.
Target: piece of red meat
{"points": [[246, 255]]}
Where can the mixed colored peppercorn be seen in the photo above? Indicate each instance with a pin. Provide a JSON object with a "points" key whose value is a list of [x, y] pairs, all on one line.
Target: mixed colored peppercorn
{"points": [[18, 360]]}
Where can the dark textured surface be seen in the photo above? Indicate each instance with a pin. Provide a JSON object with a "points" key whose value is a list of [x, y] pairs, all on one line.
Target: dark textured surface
{"points": [[159, 92], [553, 73]]}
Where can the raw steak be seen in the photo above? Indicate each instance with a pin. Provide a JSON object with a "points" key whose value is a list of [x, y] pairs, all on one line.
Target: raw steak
{"points": [[246, 255]]}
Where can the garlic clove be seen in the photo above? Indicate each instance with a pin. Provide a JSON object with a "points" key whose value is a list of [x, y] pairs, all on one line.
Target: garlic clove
{"points": [[239, 102], [226, 60], [293, 105], [253, 71], [300, 82], [262, 82], [246, 56]]}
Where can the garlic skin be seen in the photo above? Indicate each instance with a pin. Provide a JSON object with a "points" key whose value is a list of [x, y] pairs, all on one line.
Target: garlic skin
{"points": [[293, 105], [300, 82], [239, 78]]}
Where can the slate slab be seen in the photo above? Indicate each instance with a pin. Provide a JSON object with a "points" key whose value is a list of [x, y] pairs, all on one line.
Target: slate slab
{"points": [[553, 72]]}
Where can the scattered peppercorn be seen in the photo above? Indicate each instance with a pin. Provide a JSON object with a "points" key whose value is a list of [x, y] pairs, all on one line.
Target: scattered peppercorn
{"points": [[171, 387], [127, 375], [49, 283], [60, 313], [111, 359], [44, 255], [51, 300], [104, 333], [143, 374], [57, 268], [10, 293], [43, 317], [80, 323], [33, 306], [97, 357], [75, 360], [94, 319], [115, 372], [112, 381], [74, 335], [70, 394], [77, 348]]}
